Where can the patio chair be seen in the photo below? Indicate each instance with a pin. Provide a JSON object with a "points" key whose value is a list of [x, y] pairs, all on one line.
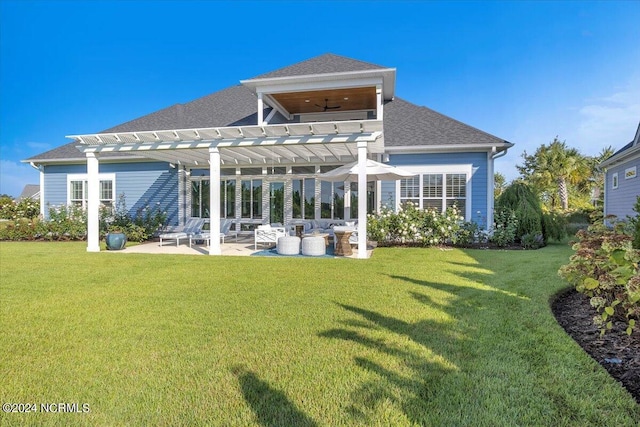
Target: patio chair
{"points": [[225, 229], [191, 227], [267, 234]]}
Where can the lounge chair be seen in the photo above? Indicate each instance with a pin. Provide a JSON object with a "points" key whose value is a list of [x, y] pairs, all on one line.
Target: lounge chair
{"points": [[226, 231], [191, 227]]}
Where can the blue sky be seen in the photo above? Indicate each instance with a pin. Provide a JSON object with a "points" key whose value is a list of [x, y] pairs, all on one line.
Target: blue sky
{"points": [[523, 71]]}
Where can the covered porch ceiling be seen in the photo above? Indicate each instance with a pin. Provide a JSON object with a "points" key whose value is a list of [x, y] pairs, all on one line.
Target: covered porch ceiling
{"points": [[322, 101], [283, 144]]}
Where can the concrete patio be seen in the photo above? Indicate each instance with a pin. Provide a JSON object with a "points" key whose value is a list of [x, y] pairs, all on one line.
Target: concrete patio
{"points": [[243, 247]]}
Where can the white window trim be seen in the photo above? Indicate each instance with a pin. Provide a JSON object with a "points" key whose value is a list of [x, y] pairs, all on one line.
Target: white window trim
{"points": [[441, 169], [630, 173], [614, 180], [84, 178]]}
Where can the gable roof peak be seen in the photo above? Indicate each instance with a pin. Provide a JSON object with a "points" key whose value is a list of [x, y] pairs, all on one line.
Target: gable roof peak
{"points": [[327, 63]]}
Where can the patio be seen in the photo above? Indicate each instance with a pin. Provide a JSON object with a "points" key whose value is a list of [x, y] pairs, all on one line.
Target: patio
{"points": [[243, 247]]}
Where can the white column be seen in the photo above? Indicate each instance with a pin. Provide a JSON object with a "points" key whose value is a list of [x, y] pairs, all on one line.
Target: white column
{"points": [[214, 200], [93, 203], [260, 109], [380, 102], [362, 199], [490, 194], [41, 172]]}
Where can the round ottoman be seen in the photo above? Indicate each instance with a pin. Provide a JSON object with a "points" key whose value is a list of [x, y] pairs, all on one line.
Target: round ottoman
{"points": [[313, 246], [288, 245]]}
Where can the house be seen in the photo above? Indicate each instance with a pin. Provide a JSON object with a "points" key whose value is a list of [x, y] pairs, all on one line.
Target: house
{"points": [[30, 191], [255, 152], [621, 182]]}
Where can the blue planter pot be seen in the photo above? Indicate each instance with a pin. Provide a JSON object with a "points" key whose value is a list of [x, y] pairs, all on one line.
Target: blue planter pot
{"points": [[116, 241]]}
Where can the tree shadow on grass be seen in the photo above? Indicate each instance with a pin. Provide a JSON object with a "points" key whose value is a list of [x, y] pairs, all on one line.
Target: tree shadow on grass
{"points": [[270, 406], [426, 352], [421, 368]]}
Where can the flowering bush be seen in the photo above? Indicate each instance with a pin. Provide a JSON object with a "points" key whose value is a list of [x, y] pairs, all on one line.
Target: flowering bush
{"points": [[605, 268], [505, 226], [414, 226], [25, 208], [70, 222], [65, 222]]}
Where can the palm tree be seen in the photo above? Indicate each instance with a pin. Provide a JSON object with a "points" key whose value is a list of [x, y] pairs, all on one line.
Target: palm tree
{"points": [[553, 168]]}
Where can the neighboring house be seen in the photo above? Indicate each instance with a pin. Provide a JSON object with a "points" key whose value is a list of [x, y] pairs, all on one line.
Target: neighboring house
{"points": [[257, 150], [621, 183], [30, 191]]}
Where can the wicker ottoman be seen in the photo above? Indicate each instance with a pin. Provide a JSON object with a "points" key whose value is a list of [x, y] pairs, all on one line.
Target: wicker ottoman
{"points": [[313, 246], [288, 245]]}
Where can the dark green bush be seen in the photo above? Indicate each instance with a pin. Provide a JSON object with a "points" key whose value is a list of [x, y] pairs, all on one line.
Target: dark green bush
{"points": [[554, 226], [635, 225], [579, 217], [525, 204]]}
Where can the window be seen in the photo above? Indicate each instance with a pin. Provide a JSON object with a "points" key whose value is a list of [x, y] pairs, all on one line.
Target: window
{"points": [[303, 193], [78, 189], [630, 173], [200, 193], [228, 198], [200, 198], [436, 191], [614, 180], [456, 193], [251, 198], [332, 200]]}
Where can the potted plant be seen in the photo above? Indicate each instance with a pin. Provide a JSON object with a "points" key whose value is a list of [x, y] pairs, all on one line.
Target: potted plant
{"points": [[115, 239]]}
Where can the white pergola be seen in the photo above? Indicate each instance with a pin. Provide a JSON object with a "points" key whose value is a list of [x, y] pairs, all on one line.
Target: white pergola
{"points": [[290, 144]]}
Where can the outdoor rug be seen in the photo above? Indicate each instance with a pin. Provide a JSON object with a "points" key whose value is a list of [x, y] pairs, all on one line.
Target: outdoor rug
{"points": [[274, 252]]}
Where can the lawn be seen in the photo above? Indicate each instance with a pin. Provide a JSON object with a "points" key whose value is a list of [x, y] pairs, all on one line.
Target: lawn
{"points": [[408, 337]]}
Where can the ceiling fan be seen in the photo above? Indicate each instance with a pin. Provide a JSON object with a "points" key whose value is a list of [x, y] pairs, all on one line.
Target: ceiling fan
{"points": [[326, 106]]}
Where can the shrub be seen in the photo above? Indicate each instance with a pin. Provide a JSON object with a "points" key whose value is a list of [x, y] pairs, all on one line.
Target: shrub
{"points": [[505, 227], [19, 229], [532, 241], [605, 268], [146, 222], [635, 224], [65, 223], [554, 226], [25, 208], [414, 226], [524, 203], [470, 233]]}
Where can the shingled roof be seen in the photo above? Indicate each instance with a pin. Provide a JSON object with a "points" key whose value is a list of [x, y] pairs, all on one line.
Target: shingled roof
{"points": [[405, 124], [323, 64]]}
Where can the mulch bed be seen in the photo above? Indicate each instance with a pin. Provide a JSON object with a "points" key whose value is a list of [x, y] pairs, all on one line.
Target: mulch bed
{"points": [[617, 352]]}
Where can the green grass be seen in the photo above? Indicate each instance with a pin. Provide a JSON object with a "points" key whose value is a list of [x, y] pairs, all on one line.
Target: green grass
{"points": [[409, 337]]}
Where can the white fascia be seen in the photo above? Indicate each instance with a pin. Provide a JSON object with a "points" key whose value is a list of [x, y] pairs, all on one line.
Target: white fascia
{"points": [[446, 148], [627, 155]]}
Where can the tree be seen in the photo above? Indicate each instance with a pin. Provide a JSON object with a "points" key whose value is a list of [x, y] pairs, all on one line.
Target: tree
{"points": [[499, 184], [598, 174], [555, 167]]}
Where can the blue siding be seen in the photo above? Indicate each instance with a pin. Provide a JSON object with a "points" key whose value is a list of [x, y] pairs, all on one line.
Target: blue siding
{"points": [[479, 177], [620, 201], [145, 183]]}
